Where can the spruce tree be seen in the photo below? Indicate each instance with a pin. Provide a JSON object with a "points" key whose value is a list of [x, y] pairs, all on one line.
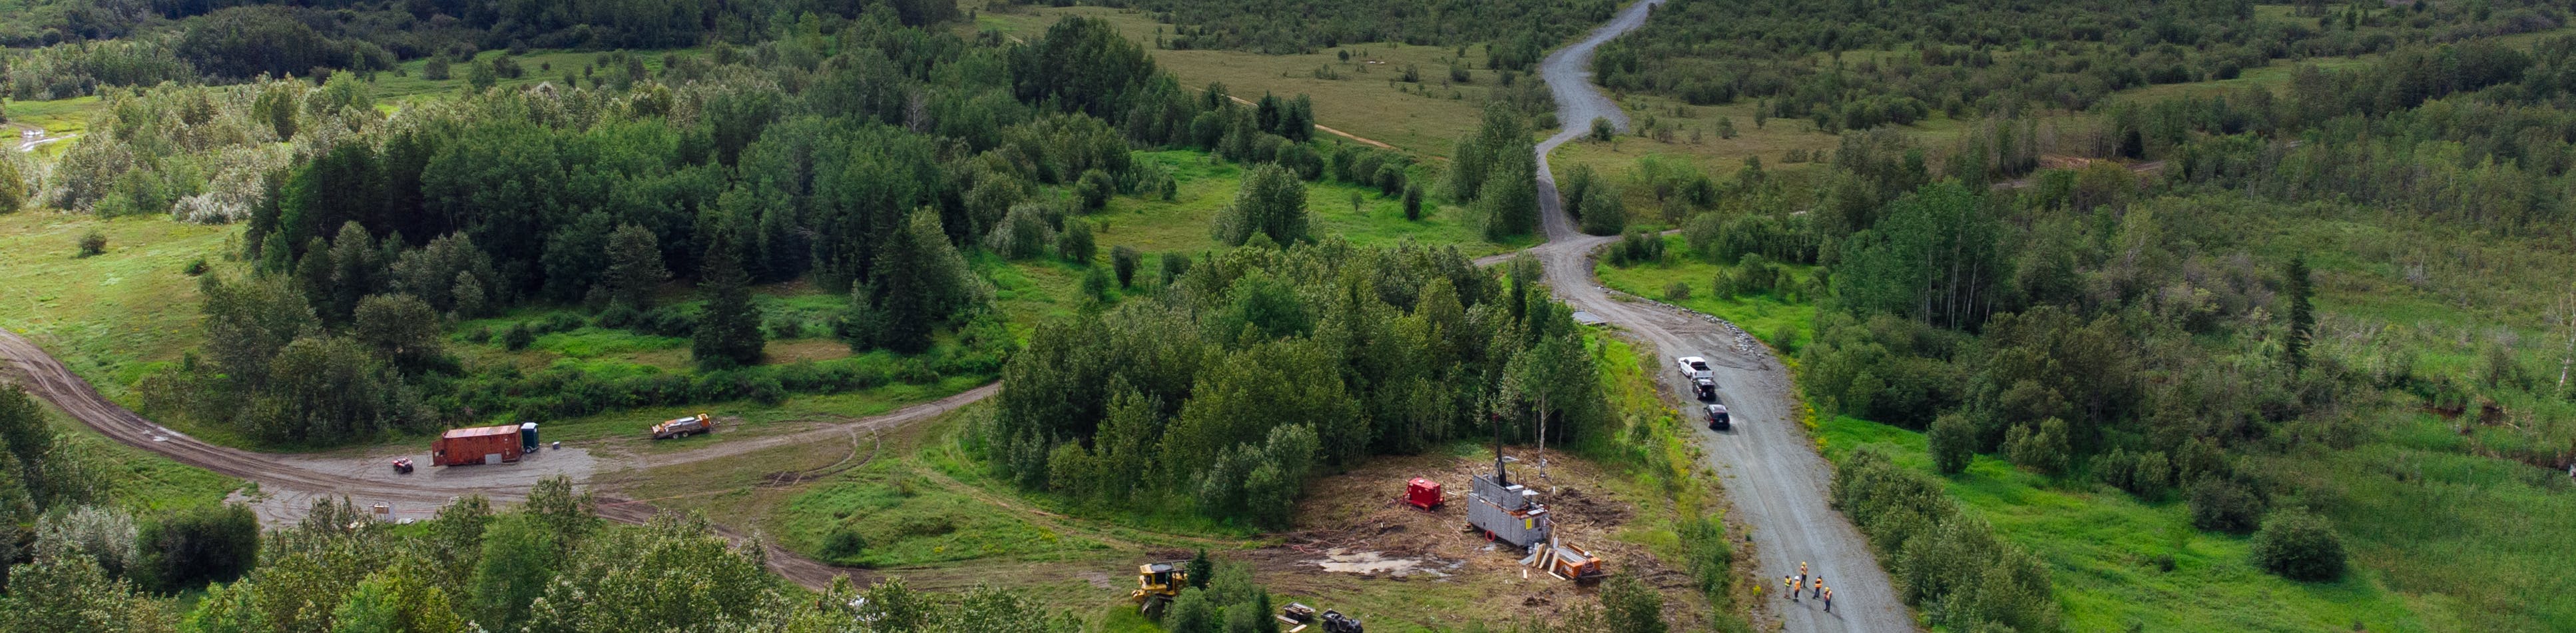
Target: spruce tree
{"points": [[903, 293], [2302, 316], [728, 333], [634, 266]]}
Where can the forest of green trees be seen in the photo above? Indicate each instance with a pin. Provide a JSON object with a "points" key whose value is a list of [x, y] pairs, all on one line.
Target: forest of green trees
{"points": [[2100, 324], [1260, 366], [864, 156], [1862, 65], [75, 47], [1516, 33]]}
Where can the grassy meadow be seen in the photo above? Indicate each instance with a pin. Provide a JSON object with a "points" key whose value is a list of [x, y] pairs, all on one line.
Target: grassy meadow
{"points": [[2118, 563], [1782, 320]]}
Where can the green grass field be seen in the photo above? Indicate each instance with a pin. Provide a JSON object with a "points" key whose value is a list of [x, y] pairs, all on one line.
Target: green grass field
{"points": [[1207, 186], [108, 317], [2106, 552], [1424, 119], [905, 519], [138, 480], [1770, 317]]}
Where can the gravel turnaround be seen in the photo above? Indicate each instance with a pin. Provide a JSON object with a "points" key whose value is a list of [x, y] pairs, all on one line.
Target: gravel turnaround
{"points": [[1769, 466]]}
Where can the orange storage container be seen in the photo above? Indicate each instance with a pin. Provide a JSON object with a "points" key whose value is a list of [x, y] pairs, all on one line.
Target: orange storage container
{"points": [[478, 445]]}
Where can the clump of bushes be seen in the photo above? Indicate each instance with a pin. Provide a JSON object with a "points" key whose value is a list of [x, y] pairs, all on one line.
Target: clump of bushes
{"points": [[2299, 546], [1952, 566], [1677, 292], [2219, 504], [518, 337], [1638, 247], [93, 243]]}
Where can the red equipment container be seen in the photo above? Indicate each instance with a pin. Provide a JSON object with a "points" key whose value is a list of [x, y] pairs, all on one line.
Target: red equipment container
{"points": [[1422, 493], [479, 445]]}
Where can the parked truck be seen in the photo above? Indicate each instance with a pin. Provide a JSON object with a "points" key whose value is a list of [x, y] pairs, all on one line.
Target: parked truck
{"points": [[479, 445], [684, 427]]}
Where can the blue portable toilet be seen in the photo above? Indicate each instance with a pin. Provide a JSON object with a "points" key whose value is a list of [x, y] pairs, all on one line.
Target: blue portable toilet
{"points": [[527, 437]]}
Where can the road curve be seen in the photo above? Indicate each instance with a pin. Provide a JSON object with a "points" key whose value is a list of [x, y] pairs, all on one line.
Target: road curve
{"points": [[1772, 474], [23, 362]]}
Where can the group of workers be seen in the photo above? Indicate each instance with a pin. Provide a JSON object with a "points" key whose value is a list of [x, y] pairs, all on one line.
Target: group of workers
{"points": [[1814, 586]]}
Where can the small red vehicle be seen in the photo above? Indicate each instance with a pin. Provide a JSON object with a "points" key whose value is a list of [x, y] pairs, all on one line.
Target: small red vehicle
{"points": [[402, 465]]}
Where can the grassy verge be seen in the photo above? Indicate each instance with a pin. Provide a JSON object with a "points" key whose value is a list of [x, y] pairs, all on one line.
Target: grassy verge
{"points": [[2119, 563], [139, 480], [1771, 317], [109, 317], [1668, 474]]}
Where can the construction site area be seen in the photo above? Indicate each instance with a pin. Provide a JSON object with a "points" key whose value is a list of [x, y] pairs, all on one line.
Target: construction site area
{"points": [[1359, 548]]}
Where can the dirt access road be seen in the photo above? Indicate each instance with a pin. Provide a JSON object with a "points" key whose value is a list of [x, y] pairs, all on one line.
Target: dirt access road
{"points": [[289, 483], [1773, 476]]}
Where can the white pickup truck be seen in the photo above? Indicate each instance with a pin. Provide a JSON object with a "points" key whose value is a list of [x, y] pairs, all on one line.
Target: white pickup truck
{"points": [[1703, 380]]}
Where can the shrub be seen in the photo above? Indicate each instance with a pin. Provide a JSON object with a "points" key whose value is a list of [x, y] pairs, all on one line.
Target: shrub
{"points": [[200, 545], [195, 267], [765, 389], [1677, 292], [1175, 264], [618, 316], [479, 335], [1954, 443], [518, 337], [1637, 248], [2219, 504], [1124, 261], [1602, 130], [2299, 546], [435, 69], [2044, 451], [1094, 188], [2147, 475], [1413, 202], [1075, 244], [93, 243], [844, 544]]}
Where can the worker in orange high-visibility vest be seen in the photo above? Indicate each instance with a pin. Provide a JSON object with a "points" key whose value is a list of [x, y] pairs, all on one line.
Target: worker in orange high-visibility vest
{"points": [[1829, 598], [1816, 587], [1792, 583]]}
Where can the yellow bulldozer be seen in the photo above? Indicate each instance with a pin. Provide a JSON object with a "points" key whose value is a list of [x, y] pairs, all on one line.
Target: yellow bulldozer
{"points": [[1156, 585]]}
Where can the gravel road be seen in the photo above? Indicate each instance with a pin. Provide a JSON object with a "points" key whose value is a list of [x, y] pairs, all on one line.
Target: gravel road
{"points": [[289, 483], [1772, 474]]}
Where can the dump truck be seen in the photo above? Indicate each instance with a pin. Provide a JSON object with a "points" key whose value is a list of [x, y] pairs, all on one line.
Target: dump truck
{"points": [[684, 427], [478, 445], [1156, 585]]}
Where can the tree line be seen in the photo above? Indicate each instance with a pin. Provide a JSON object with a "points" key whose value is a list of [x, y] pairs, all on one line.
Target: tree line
{"points": [[1857, 66], [1516, 33], [72, 48]]}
